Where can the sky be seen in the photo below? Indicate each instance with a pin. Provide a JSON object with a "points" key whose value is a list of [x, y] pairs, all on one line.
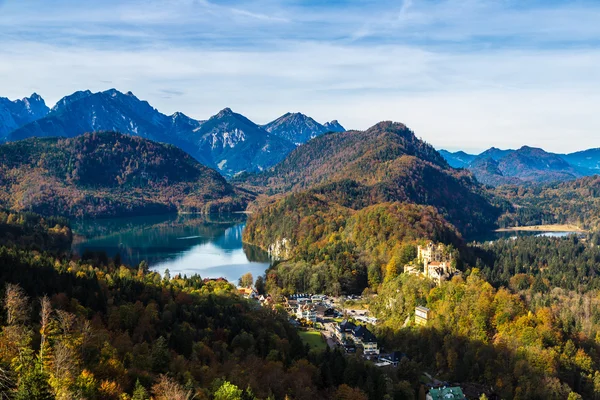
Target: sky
{"points": [[462, 74]]}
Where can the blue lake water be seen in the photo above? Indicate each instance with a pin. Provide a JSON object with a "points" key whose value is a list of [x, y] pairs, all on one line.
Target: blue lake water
{"points": [[210, 246]]}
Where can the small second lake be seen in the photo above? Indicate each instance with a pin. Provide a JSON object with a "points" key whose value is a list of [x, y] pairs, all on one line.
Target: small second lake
{"points": [[495, 235], [210, 246]]}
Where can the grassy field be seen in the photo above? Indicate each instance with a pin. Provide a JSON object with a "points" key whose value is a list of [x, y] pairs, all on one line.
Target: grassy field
{"points": [[543, 228], [313, 339]]}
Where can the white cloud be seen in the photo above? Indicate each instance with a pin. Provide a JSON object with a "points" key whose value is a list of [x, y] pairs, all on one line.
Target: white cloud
{"points": [[463, 74]]}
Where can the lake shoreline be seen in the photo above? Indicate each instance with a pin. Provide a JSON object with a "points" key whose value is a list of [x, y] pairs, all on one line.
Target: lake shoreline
{"points": [[544, 228]]}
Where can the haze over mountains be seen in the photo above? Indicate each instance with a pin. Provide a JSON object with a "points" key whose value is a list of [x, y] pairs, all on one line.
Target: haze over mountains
{"points": [[227, 141], [526, 165], [231, 143]]}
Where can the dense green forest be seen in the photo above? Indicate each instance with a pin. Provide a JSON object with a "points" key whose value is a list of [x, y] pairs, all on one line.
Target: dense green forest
{"points": [[109, 174], [575, 202], [339, 250], [82, 328], [34, 232], [524, 341]]}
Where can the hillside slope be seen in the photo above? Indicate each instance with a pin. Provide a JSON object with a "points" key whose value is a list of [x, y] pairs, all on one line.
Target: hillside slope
{"points": [[575, 202], [385, 163], [108, 174]]}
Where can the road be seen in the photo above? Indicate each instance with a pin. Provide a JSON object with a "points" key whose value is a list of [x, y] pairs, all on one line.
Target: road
{"points": [[329, 334]]}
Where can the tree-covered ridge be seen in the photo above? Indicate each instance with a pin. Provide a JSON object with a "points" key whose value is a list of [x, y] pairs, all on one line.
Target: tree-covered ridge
{"points": [[385, 163], [109, 174], [570, 263], [32, 231], [576, 202], [81, 329], [327, 247], [340, 155], [521, 342]]}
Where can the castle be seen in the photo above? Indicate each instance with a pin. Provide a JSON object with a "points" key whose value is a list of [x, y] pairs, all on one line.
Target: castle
{"points": [[436, 262]]}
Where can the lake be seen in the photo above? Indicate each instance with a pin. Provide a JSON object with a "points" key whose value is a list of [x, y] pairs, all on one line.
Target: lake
{"points": [[494, 235], [210, 246]]}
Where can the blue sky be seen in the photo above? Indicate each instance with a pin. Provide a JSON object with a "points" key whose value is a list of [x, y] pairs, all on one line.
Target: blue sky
{"points": [[463, 74]]}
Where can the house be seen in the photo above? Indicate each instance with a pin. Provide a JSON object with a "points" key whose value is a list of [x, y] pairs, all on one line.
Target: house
{"points": [[320, 310], [365, 339], [318, 298], [307, 312], [344, 330], [290, 306], [421, 315], [446, 393], [392, 358], [247, 292], [266, 301]]}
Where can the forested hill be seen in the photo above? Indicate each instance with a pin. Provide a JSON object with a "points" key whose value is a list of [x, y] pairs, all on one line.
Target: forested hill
{"points": [[358, 155], [575, 202], [359, 205], [385, 163], [108, 174]]}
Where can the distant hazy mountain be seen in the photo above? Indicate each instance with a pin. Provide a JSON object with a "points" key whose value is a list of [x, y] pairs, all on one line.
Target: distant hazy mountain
{"points": [[297, 128], [536, 165], [459, 159], [334, 126], [526, 165], [103, 111], [228, 141], [233, 144], [14, 114], [586, 160], [495, 153]]}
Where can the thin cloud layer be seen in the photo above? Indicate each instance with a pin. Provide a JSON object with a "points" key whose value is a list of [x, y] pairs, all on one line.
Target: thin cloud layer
{"points": [[463, 74]]}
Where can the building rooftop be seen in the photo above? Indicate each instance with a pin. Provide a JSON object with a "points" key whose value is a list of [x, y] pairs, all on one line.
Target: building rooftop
{"points": [[346, 326], [394, 357], [446, 393], [364, 334]]}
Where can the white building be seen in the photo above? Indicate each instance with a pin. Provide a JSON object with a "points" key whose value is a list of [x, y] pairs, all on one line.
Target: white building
{"points": [[436, 263], [307, 312]]}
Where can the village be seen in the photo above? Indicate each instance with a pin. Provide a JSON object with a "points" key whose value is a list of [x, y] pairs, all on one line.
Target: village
{"points": [[344, 323]]}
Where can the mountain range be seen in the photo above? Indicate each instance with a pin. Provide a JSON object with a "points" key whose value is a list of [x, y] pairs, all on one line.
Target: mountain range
{"points": [[14, 114], [527, 165], [299, 128], [228, 142]]}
